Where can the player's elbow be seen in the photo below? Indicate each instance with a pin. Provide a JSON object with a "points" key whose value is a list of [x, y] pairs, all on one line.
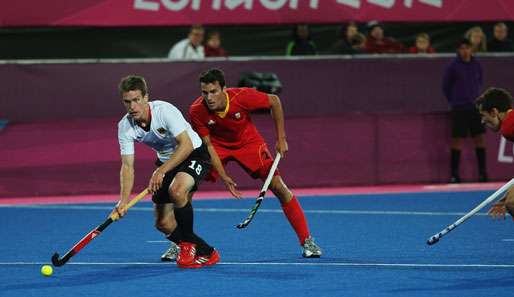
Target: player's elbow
{"points": [[274, 98], [127, 170], [274, 101]]}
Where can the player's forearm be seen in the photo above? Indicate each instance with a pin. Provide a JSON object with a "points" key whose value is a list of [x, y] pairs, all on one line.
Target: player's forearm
{"points": [[215, 161], [278, 116], [126, 182], [180, 155]]}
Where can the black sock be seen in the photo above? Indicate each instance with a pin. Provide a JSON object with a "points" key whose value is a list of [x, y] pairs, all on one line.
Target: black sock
{"points": [[455, 162], [480, 151], [184, 217], [175, 236]]}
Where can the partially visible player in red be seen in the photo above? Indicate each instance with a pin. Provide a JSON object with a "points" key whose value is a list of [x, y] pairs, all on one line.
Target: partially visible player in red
{"points": [[495, 107], [221, 116]]}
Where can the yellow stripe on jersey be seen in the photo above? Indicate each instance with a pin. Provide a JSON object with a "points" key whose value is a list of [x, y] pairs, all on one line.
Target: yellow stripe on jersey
{"points": [[223, 114]]}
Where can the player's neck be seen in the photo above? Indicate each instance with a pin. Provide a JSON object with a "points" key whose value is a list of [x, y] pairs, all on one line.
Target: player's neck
{"points": [[146, 120], [222, 111]]}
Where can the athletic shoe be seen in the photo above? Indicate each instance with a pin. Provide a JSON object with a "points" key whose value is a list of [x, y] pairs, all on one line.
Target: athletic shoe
{"points": [[187, 253], [310, 249], [171, 254], [208, 260], [201, 261]]}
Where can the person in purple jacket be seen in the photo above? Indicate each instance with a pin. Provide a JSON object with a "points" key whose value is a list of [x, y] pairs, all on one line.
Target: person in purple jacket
{"points": [[462, 84]]}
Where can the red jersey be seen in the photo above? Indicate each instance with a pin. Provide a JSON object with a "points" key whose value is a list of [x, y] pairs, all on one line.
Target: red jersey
{"points": [[507, 127], [232, 128]]}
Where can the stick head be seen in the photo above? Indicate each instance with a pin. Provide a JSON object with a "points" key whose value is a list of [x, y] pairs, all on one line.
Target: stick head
{"points": [[243, 224], [56, 261], [432, 240]]}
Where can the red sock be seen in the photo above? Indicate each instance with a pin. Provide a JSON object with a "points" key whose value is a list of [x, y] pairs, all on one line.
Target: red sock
{"points": [[296, 217]]}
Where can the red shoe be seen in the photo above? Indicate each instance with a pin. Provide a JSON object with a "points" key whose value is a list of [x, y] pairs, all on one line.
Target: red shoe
{"points": [[208, 260], [201, 261], [187, 253]]}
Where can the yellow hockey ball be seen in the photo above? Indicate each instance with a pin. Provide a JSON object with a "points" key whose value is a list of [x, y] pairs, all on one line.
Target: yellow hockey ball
{"points": [[47, 270]]}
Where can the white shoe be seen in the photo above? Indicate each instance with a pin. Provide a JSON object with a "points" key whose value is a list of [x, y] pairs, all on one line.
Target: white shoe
{"points": [[310, 249], [171, 254]]}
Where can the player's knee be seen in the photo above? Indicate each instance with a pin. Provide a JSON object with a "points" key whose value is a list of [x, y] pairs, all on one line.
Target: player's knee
{"points": [[280, 190], [178, 194]]}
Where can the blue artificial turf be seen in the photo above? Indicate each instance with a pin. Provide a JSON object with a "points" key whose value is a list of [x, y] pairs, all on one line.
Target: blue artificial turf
{"points": [[374, 245]]}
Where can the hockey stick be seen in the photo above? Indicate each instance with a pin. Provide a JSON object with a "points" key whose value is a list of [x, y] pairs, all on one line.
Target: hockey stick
{"points": [[56, 261], [435, 238], [261, 194]]}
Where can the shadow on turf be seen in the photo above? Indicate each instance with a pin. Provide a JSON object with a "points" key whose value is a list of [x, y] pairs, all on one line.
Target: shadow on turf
{"points": [[96, 276]]}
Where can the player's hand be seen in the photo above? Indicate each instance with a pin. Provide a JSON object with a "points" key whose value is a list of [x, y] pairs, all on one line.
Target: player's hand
{"points": [[155, 181], [282, 147], [498, 210], [231, 186], [120, 209]]}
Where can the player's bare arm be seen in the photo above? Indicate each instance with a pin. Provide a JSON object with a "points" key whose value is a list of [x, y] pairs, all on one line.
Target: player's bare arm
{"points": [[184, 149], [218, 166], [278, 117], [126, 184]]}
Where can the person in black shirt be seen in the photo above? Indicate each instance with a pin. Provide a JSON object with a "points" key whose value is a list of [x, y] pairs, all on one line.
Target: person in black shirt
{"points": [[301, 44], [500, 42]]}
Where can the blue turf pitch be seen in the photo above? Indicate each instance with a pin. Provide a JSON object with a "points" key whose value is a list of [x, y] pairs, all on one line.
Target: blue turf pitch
{"points": [[374, 245]]}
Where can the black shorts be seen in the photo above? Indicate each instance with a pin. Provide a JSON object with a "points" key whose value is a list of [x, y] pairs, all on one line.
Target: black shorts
{"points": [[196, 165], [466, 121]]}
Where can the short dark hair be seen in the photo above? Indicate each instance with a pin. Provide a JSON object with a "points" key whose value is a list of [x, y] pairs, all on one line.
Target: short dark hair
{"points": [[213, 75], [495, 98], [195, 27], [463, 41], [132, 83]]}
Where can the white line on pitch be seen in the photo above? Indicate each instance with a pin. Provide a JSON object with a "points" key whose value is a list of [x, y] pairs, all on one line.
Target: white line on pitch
{"points": [[407, 265], [508, 239], [245, 210], [157, 241]]}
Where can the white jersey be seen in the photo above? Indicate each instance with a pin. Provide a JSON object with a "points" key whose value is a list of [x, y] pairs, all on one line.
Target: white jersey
{"points": [[166, 124], [184, 50]]}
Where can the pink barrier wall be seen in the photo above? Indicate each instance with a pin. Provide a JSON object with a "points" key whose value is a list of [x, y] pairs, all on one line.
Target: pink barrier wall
{"points": [[311, 87], [349, 122], [82, 156]]}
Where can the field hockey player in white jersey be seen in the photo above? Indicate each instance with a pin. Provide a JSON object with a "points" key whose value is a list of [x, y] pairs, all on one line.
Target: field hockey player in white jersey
{"points": [[181, 165]]}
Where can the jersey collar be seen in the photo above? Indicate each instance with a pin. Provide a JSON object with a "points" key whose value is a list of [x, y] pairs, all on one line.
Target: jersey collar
{"points": [[223, 114]]}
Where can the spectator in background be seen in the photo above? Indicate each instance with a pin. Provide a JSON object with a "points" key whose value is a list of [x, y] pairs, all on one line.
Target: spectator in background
{"points": [[358, 43], [422, 45], [477, 38], [351, 42], [191, 47], [213, 45], [377, 43], [500, 41], [302, 43], [462, 84]]}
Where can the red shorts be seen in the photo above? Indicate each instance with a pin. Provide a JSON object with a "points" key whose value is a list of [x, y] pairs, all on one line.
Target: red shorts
{"points": [[255, 158]]}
